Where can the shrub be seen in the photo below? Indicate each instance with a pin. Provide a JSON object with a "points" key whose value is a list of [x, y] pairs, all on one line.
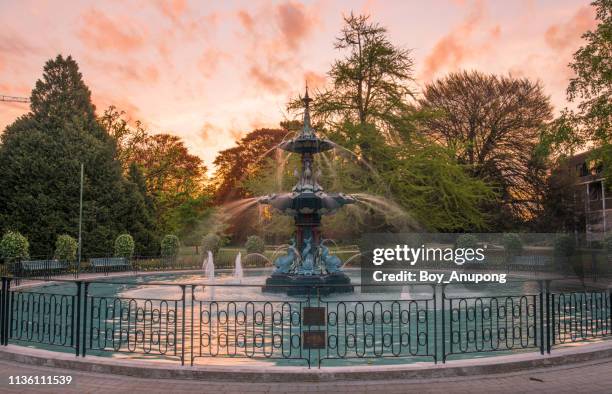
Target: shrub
{"points": [[14, 246], [66, 248], [170, 246], [254, 244], [513, 245], [466, 241], [124, 246], [211, 242]]}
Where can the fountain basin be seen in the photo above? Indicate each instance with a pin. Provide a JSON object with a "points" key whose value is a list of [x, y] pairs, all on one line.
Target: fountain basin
{"points": [[307, 203], [307, 145], [296, 285]]}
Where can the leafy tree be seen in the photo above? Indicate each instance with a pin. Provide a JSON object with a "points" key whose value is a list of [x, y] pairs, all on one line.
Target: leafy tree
{"points": [[124, 246], [139, 217], [14, 247], [40, 155], [592, 84], [235, 164], [65, 248], [370, 85], [211, 242], [493, 124], [131, 141]]}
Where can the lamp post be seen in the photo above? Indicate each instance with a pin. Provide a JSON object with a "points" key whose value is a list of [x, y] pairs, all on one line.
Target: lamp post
{"points": [[80, 220]]}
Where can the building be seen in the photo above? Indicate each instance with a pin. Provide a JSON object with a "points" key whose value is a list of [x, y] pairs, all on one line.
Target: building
{"points": [[592, 206]]}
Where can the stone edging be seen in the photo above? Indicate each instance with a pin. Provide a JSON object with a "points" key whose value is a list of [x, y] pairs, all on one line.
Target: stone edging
{"points": [[268, 374]]}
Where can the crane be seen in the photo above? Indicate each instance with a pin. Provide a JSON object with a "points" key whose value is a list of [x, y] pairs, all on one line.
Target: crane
{"points": [[14, 99]]}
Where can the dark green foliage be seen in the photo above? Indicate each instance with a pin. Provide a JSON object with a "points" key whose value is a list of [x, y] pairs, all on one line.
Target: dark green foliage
{"points": [[254, 244], [14, 247], [40, 157], [564, 245], [66, 248], [170, 246], [466, 241], [513, 245], [124, 246]]}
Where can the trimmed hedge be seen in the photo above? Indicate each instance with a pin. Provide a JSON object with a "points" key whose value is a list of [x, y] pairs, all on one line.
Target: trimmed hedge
{"points": [[66, 248], [170, 246], [14, 246], [124, 246]]}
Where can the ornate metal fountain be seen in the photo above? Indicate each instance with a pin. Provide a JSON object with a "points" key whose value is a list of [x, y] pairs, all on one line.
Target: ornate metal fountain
{"points": [[308, 263]]}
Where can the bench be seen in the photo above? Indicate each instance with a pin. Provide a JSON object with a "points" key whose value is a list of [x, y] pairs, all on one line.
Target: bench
{"points": [[42, 267], [530, 263], [110, 264]]}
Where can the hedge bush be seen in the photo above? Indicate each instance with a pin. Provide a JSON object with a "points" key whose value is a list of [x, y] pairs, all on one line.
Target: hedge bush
{"points": [[66, 248], [124, 246], [211, 242], [254, 244], [170, 246], [14, 246]]}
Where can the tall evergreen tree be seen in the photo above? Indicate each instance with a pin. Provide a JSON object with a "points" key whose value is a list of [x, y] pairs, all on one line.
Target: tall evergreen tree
{"points": [[40, 156]]}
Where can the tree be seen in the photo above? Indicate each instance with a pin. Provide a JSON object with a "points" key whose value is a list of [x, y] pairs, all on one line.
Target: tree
{"points": [[139, 216], [41, 154], [493, 124], [592, 84], [370, 85], [249, 154], [131, 141], [591, 87]]}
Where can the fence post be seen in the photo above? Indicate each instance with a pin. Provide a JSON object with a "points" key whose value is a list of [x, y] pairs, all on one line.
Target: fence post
{"points": [[542, 319], [548, 320], [183, 326], [443, 327], [3, 313], [77, 330], [6, 316]]}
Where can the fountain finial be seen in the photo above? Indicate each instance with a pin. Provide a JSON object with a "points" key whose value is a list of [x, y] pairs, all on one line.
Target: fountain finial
{"points": [[307, 131]]}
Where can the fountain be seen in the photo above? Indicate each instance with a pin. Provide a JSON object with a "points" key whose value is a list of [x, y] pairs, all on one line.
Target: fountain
{"points": [[308, 263], [209, 270], [238, 268]]}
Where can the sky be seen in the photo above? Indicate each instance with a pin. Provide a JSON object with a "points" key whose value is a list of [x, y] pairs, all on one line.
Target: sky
{"points": [[212, 71]]}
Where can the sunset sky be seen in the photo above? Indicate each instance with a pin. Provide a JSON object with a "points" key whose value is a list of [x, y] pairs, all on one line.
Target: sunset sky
{"points": [[210, 72]]}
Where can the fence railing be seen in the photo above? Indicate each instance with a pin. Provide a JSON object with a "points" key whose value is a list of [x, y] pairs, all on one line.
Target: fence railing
{"points": [[188, 323]]}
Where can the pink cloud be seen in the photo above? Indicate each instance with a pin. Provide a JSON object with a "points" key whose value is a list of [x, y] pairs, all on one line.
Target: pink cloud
{"points": [[210, 60], [315, 80], [295, 23], [455, 46], [267, 81], [567, 35], [102, 32]]}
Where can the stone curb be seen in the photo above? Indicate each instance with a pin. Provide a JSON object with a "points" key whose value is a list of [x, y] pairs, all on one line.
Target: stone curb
{"points": [[270, 374]]}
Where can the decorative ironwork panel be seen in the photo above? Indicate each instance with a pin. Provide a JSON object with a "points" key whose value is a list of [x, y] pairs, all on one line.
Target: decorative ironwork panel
{"points": [[132, 325], [486, 324], [376, 329], [246, 329], [580, 316], [43, 318]]}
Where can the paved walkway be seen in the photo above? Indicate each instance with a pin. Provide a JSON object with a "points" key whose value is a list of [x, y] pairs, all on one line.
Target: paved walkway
{"points": [[592, 377]]}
